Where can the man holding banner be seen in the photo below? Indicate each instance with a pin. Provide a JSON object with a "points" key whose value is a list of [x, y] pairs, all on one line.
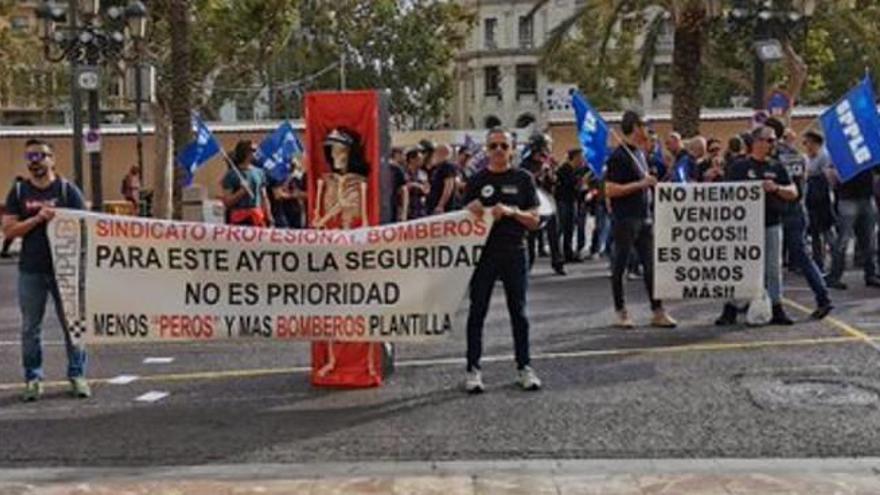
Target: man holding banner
{"points": [[779, 192], [511, 196], [628, 184], [30, 206]]}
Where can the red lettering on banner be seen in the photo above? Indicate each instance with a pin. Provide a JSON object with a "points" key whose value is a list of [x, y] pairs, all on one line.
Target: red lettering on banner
{"points": [[186, 327], [320, 327]]}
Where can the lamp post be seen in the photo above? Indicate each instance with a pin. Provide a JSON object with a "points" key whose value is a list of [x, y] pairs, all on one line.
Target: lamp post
{"points": [[94, 36], [768, 21]]}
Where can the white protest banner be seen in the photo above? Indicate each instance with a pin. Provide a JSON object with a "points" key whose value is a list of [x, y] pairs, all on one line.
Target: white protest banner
{"points": [[134, 279], [709, 241]]}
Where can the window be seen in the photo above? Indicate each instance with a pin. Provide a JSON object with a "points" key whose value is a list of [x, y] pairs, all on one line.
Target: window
{"points": [[662, 80], [526, 80], [20, 23], [492, 81], [526, 32], [489, 28]]}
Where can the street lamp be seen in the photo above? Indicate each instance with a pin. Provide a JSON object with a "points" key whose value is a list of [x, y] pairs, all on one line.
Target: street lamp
{"points": [[99, 39], [769, 22]]}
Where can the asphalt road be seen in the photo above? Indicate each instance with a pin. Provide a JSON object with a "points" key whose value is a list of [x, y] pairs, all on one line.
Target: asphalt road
{"points": [[803, 391]]}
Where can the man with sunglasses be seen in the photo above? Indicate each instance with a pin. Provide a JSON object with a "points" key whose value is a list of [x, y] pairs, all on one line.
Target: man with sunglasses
{"points": [[779, 191], [30, 206], [511, 196]]}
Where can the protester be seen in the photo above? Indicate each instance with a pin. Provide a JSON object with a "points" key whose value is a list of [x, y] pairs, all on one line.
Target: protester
{"points": [[820, 206], [794, 219], [416, 184], [538, 161], [442, 173], [628, 185], [287, 198], [779, 191], [30, 206], [566, 192], [685, 168], [511, 197], [399, 191], [736, 150], [464, 171], [247, 204], [855, 204], [675, 146], [131, 187]]}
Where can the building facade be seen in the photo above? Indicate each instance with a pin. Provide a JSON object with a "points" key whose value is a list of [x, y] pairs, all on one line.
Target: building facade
{"points": [[37, 91], [498, 81]]}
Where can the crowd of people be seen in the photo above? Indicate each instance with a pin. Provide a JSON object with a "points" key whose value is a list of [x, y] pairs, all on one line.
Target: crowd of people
{"points": [[811, 215]]}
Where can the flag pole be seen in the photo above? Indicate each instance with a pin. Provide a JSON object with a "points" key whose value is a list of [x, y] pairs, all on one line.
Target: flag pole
{"points": [[241, 177]]}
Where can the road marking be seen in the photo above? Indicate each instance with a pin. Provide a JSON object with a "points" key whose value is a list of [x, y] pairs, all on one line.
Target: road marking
{"points": [[123, 379], [152, 396], [17, 343], [839, 324], [417, 363], [158, 360]]}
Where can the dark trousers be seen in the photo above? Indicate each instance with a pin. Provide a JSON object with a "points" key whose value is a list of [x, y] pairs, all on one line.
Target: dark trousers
{"points": [[7, 242], [552, 239], [512, 268], [581, 228], [567, 218], [632, 233], [794, 228]]}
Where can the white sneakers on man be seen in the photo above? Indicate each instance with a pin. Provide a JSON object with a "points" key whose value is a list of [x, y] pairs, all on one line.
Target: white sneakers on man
{"points": [[473, 383], [528, 380]]}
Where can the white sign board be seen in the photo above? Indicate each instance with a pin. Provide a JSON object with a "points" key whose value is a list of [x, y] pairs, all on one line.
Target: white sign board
{"points": [[709, 241], [126, 279]]}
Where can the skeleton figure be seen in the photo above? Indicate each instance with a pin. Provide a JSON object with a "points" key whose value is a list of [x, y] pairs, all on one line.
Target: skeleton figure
{"points": [[341, 200]]}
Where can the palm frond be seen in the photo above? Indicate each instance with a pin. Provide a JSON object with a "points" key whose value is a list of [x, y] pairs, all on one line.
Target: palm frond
{"points": [[535, 8], [649, 46], [557, 35], [610, 23]]}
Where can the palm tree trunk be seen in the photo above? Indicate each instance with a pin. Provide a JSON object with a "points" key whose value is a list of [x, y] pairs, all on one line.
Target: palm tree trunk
{"points": [[686, 67], [181, 91]]}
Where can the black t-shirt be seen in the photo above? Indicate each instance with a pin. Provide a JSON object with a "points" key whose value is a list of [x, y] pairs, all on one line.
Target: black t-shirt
{"points": [[513, 187], [24, 201], [859, 187], [439, 174], [622, 169], [566, 183], [398, 181], [749, 169]]}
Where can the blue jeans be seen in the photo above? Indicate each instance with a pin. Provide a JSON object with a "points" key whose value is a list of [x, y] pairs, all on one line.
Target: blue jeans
{"points": [[795, 227], [773, 263], [602, 230], [513, 270], [33, 291], [851, 211]]}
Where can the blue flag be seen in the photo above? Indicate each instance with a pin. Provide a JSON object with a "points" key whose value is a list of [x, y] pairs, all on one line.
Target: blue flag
{"points": [[592, 133], [277, 150], [199, 151], [852, 131]]}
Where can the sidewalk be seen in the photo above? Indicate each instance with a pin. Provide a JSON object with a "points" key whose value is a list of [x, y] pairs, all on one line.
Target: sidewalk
{"points": [[575, 477]]}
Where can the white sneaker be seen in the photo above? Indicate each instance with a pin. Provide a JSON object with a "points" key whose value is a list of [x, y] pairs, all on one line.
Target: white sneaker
{"points": [[528, 380], [473, 383]]}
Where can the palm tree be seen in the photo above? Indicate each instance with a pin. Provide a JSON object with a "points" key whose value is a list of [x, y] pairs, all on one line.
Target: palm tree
{"points": [[690, 20], [181, 90]]}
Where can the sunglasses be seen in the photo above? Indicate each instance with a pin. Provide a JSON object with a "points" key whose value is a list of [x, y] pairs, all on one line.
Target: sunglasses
{"points": [[715, 150], [495, 146], [36, 156]]}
